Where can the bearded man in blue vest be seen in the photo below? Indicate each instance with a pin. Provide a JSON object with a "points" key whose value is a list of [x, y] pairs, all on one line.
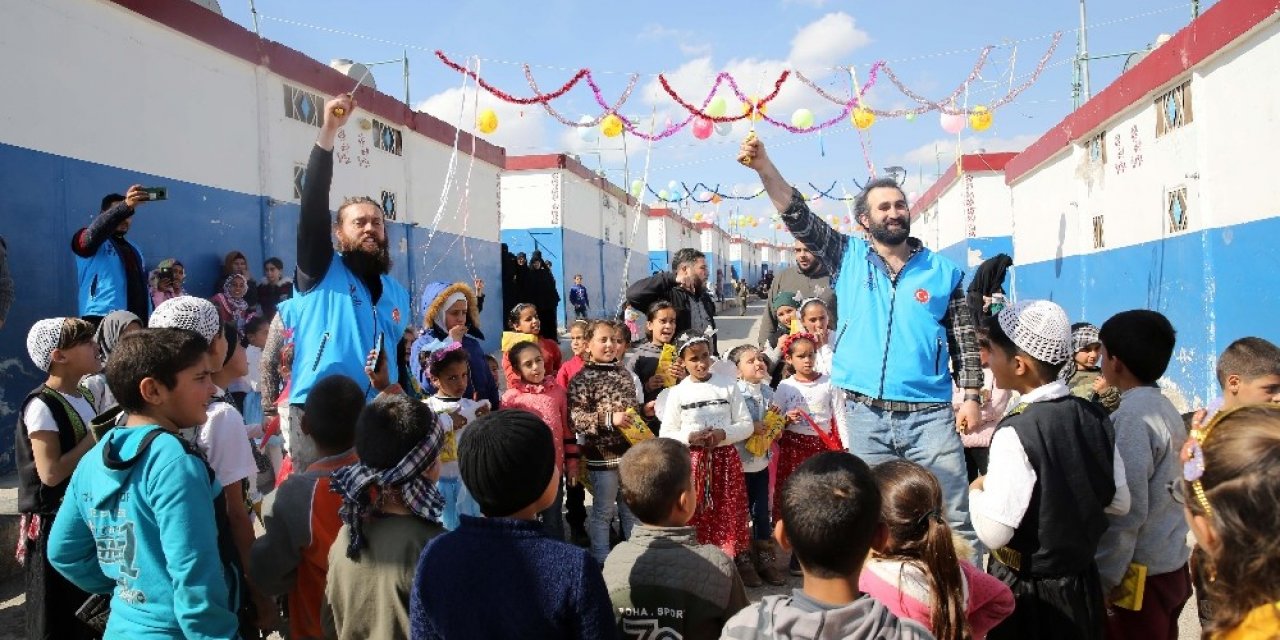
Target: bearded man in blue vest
{"points": [[110, 269], [904, 332], [347, 301]]}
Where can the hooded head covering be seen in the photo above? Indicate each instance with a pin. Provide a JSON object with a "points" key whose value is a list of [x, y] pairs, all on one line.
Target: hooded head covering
{"points": [[110, 330], [439, 296]]}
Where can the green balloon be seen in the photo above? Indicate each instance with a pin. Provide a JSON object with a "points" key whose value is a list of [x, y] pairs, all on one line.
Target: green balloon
{"points": [[717, 107]]}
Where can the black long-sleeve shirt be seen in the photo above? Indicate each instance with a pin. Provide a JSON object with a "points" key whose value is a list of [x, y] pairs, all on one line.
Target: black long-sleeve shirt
{"points": [[315, 240], [88, 240]]}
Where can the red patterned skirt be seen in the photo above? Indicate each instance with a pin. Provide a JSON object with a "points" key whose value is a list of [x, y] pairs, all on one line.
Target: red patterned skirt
{"points": [[721, 518], [793, 449]]}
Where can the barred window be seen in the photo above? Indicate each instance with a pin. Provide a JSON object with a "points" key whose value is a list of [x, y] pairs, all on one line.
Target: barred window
{"points": [[1173, 109], [303, 106], [389, 204], [1176, 206], [1098, 241], [1097, 147], [387, 138], [299, 180]]}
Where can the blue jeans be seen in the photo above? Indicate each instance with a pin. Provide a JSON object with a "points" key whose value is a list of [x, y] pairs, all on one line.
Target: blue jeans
{"points": [[606, 502], [927, 438], [457, 502], [553, 516], [758, 504]]}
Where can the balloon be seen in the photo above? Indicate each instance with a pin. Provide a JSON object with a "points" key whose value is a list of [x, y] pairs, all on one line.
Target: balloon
{"points": [[911, 197], [673, 186], [697, 217], [755, 223], [754, 108], [716, 108], [587, 133], [980, 119], [715, 198], [611, 126], [802, 119], [664, 195], [862, 117], [637, 188], [487, 121], [702, 128], [704, 195], [953, 123], [724, 128], [710, 217], [911, 117]]}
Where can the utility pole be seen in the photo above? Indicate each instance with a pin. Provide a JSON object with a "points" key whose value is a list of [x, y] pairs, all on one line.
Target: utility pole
{"points": [[406, 79], [1195, 9], [253, 11], [1080, 86]]}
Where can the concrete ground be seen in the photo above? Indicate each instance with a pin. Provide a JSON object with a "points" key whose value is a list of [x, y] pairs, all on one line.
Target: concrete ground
{"points": [[733, 330]]}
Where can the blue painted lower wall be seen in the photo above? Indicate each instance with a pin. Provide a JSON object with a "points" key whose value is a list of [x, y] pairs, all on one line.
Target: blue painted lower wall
{"points": [[603, 265], [1214, 286], [46, 198], [985, 248], [659, 261]]}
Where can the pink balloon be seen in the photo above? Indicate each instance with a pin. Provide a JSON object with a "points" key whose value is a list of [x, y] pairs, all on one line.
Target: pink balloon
{"points": [[702, 128], [953, 123]]}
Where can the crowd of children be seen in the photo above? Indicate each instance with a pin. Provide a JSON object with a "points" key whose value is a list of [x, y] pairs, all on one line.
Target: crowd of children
{"points": [[138, 485]]}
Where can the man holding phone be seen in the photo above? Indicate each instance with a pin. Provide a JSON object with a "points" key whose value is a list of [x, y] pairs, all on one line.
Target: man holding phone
{"points": [[110, 269]]}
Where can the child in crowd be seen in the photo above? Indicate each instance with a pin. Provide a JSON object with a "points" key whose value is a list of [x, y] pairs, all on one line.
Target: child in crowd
{"points": [[662, 330], [1054, 475], [390, 509], [995, 400], [523, 324], [140, 522], [274, 288], [831, 520], [94, 386], [233, 308], [533, 390], [1136, 348], [448, 311], [575, 494], [448, 372], [662, 578], [785, 307], [255, 338], [805, 392], [599, 397], [199, 316], [815, 321], [627, 359], [1249, 373], [495, 370], [1083, 372], [1230, 489], [166, 281], [707, 413], [578, 298], [53, 435], [547, 588], [578, 346], [917, 571], [301, 516], [762, 566]]}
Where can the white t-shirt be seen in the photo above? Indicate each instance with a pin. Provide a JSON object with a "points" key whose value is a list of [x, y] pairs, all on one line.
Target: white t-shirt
{"points": [[224, 441], [820, 399], [38, 417]]}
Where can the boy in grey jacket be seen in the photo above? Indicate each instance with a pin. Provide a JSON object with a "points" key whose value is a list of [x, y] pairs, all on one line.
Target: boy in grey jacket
{"points": [[661, 579], [830, 520], [1136, 347]]}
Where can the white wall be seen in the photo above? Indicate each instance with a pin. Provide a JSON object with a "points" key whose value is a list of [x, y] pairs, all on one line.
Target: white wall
{"points": [[526, 198]]}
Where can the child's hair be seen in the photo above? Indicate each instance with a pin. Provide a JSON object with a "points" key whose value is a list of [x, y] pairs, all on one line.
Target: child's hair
{"points": [[736, 354], [75, 332], [389, 428], [653, 474], [984, 338], [513, 355], [810, 302], [580, 324], [912, 509], [997, 338], [151, 353], [513, 316], [255, 324], [594, 326], [446, 357], [789, 341], [488, 357], [830, 512], [1141, 339], [1241, 485], [1250, 358], [656, 307], [274, 262], [625, 330], [688, 340], [331, 411]]}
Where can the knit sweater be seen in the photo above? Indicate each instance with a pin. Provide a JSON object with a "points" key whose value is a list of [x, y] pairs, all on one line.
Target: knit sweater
{"points": [[661, 578], [504, 578], [758, 397], [694, 406], [568, 370], [550, 403], [905, 589], [595, 394], [820, 399]]}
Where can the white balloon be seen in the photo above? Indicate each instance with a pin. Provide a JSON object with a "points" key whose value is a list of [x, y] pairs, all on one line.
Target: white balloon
{"points": [[724, 128]]}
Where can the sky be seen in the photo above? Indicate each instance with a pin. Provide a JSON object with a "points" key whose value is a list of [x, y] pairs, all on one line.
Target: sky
{"points": [[931, 46]]}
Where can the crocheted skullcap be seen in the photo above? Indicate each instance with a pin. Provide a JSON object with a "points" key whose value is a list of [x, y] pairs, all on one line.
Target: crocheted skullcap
{"points": [[42, 339], [190, 313], [1040, 328]]}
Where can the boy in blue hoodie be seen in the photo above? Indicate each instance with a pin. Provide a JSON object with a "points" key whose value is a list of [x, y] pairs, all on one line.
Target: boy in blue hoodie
{"points": [[138, 520], [449, 311]]}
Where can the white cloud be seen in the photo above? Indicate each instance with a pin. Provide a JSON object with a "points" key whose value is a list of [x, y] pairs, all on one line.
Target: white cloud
{"points": [[684, 39], [520, 128], [826, 42]]}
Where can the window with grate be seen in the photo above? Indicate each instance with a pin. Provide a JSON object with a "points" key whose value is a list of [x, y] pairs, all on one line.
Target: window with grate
{"points": [[1173, 109], [1176, 207], [299, 180], [387, 138], [1097, 147], [303, 106], [389, 204], [1098, 241]]}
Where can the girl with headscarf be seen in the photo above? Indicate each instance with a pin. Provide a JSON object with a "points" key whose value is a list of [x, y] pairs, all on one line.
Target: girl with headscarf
{"points": [[233, 308], [94, 387], [448, 312], [234, 263]]}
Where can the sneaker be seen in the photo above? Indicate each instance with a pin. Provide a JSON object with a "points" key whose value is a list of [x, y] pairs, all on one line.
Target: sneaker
{"points": [[767, 563], [747, 570]]}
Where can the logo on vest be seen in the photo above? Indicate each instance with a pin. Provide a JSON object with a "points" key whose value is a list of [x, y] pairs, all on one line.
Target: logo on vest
{"points": [[922, 296], [354, 298], [395, 315]]}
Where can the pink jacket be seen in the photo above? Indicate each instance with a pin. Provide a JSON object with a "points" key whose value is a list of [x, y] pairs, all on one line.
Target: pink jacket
{"points": [[993, 408], [904, 589], [549, 402]]}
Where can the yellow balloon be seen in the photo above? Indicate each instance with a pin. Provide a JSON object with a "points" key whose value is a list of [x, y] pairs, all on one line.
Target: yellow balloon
{"points": [[980, 119], [759, 108], [487, 121], [611, 126], [862, 118], [697, 217]]}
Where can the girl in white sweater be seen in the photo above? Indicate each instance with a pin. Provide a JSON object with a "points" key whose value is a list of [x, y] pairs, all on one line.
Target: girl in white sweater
{"points": [[708, 413], [805, 392], [817, 322]]}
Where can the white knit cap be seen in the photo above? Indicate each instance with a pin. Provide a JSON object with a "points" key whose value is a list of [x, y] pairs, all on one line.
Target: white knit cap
{"points": [[1040, 328], [190, 313], [42, 339]]}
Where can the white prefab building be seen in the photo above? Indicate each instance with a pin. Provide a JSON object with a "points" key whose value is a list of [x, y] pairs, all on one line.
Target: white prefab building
{"points": [[1160, 193], [967, 214], [669, 232]]}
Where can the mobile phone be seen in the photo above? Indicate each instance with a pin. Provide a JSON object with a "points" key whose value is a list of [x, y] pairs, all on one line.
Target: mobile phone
{"points": [[377, 352], [157, 193]]}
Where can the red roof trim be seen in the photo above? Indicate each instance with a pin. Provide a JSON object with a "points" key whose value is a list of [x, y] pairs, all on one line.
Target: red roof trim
{"points": [[568, 163], [218, 32], [969, 163], [1213, 31]]}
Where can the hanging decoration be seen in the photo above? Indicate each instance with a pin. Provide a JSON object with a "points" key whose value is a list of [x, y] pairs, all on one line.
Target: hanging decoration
{"points": [[679, 191], [487, 121], [953, 123], [863, 118], [611, 126], [980, 119]]}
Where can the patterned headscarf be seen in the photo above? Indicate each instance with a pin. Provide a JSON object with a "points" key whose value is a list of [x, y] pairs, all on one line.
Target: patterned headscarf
{"points": [[418, 493], [1083, 334], [237, 305]]}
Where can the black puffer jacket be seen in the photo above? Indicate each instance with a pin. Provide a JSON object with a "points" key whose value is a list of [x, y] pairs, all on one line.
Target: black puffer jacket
{"points": [[663, 286]]}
